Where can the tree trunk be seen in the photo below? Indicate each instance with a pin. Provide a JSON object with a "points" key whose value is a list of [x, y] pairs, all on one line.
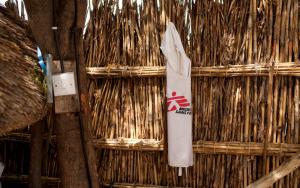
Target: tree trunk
{"points": [[70, 154], [66, 15], [85, 110]]}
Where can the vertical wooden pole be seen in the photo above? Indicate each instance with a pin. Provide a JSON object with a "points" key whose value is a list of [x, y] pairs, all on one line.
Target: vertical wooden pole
{"points": [[296, 90], [269, 120], [67, 127], [35, 169], [247, 96], [85, 111], [70, 152]]}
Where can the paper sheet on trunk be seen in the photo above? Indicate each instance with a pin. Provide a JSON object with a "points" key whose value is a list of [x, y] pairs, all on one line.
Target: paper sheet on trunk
{"points": [[180, 152]]}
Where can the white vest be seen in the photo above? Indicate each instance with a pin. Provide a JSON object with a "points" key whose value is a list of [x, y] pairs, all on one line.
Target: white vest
{"points": [[180, 151]]}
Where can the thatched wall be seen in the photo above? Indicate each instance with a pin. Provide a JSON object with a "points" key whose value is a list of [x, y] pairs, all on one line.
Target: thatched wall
{"points": [[245, 114], [21, 93], [256, 113]]}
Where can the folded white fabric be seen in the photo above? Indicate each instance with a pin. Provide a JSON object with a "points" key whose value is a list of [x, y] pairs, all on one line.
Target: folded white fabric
{"points": [[180, 152]]}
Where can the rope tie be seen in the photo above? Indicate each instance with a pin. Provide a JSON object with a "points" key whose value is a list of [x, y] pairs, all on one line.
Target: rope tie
{"points": [[124, 71], [280, 149], [226, 148], [108, 71], [130, 73], [214, 147], [257, 68], [249, 152], [140, 71]]}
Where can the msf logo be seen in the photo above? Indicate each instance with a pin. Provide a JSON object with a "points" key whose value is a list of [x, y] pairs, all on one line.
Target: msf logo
{"points": [[179, 104]]}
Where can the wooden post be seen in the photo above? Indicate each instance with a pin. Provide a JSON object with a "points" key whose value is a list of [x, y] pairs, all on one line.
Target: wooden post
{"points": [[269, 120], [35, 168], [71, 158], [70, 153], [85, 111], [62, 15]]}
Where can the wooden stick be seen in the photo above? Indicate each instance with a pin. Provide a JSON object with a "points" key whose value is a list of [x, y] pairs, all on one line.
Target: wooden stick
{"points": [[25, 179], [280, 69], [292, 164], [233, 148], [269, 119]]}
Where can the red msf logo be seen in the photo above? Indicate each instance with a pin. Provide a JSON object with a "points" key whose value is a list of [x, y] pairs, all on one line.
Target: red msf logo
{"points": [[175, 102]]}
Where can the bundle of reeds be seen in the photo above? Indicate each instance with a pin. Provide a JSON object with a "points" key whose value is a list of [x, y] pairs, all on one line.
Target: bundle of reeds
{"points": [[21, 90], [22, 100], [279, 69], [263, 109]]}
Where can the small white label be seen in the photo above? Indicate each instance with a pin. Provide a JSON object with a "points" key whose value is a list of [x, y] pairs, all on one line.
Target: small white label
{"points": [[64, 84]]}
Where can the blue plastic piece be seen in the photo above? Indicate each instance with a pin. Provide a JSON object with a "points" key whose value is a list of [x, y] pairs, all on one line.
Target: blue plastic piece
{"points": [[41, 61]]}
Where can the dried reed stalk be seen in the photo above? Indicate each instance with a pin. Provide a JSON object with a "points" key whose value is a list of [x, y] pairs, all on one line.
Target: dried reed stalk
{"points": [[280, 69], [21, 89]]}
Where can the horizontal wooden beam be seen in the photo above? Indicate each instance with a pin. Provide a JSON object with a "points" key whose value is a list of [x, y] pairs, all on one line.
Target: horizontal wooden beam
{"points": [[280, 69], [22, 137], [131, 185], [25, 179], [56, 180], [201, 147]]}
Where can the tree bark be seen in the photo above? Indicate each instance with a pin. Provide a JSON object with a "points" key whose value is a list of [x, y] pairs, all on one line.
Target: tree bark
{"points": [[70, 154], [35, 169]]}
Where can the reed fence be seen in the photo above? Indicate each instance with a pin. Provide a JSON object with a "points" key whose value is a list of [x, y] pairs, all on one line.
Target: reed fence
{"points": [[245, 58], [238, 96]]}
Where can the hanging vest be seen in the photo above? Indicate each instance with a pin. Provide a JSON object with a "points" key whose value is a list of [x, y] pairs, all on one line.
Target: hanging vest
{"points": [[179, 101]]}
